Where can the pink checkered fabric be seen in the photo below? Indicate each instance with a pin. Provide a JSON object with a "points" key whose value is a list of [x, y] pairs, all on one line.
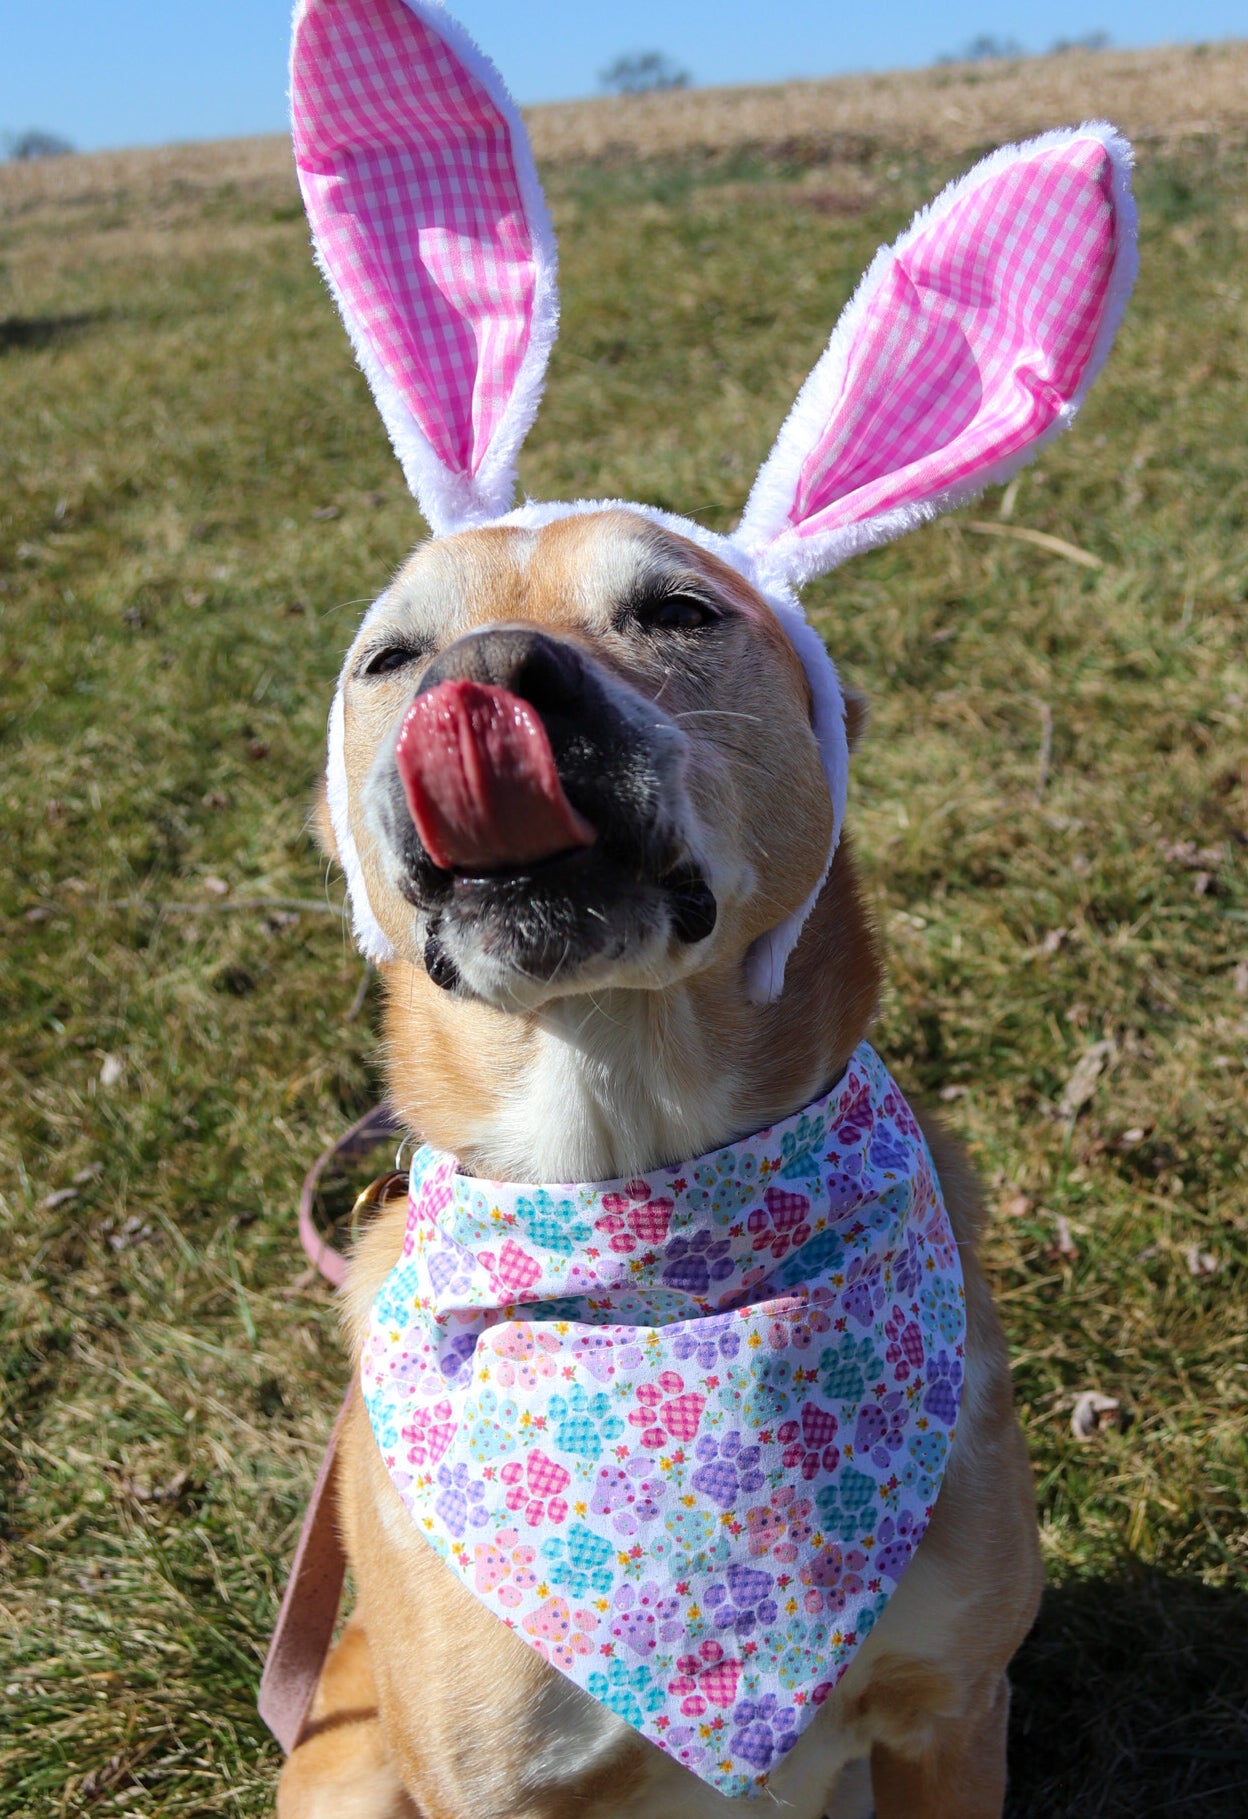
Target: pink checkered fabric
{"points": [[407, 174], [979, 332]]}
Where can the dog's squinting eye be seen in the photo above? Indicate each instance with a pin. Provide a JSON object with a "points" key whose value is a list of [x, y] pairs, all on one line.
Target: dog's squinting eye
{"points": [[390, 657], [674, 613]]}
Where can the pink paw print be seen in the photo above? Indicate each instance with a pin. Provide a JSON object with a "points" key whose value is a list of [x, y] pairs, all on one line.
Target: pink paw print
{"points": [[536, 1488], [667, 1411], [634, 1218], [905, 1348], [560, 1633], [430, 1433], [781, 1526], [782, 1222], [504, 1566], [809, 1444], [707, 1678], [525, 1357]]}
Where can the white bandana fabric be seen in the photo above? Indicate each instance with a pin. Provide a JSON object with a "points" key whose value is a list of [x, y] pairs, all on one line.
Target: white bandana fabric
{"points": [[683, 1434]]}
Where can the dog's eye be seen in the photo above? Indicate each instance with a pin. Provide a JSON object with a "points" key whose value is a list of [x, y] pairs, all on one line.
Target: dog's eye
{"points": [[390, 657], [675, 613]]}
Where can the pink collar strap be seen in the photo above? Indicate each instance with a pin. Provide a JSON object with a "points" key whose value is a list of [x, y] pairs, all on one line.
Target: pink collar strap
{"points": [[682, 1434]]}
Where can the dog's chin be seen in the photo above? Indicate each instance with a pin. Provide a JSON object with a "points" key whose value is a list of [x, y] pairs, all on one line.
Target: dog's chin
{"points": [[573, 923]]}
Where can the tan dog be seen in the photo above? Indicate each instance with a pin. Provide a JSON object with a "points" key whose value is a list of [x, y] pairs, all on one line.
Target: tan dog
{"points": [[587, 775], [639, 1047]]}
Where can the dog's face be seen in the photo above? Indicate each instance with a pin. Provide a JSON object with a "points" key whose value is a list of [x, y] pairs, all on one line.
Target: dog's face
{"points": [[578, 756]]}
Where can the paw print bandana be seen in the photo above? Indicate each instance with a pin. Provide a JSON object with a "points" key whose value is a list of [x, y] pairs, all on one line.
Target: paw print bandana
{"points": [[683, 1434]]}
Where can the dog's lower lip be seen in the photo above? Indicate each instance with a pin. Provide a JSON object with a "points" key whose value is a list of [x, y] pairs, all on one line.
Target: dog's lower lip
{"points": [[572, 858]]}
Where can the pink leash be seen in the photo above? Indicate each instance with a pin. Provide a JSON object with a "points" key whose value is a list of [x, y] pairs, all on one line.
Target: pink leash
{"points": [[309, 1611]]}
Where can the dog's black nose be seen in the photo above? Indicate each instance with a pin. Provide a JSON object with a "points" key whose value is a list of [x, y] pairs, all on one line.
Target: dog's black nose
{"points": [[543, 671]]}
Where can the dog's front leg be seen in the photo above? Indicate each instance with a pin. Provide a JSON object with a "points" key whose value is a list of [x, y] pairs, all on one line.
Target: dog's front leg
{"points": [[342, 1767], [960, 1774]]}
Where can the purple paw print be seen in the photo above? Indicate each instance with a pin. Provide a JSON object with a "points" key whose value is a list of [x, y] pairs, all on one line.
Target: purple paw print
{"points": [[449, 1266], [697, 1262], [746, 1600], [641, 1618], [713, 1340], [879, 1431], [944, 1380], [629, 1494], [455, 1359], [460, 1502], [899, 1537], [908, 1269], [864, 1291], [764, 1731], [728, 1469]]}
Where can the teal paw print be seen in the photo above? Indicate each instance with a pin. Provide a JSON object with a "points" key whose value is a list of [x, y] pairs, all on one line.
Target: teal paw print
{"points": [[583, 1424], [843, 1503], [923, 1474], [628, 1692], [724, 1184], [552, 1223], [701, 1539], [941, 1299], [580, 1561], [488, 1424], [847, 1368], [800, 1147]]}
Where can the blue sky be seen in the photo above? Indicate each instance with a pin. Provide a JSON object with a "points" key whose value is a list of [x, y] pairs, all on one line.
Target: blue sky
{"points": [[142, 72]]}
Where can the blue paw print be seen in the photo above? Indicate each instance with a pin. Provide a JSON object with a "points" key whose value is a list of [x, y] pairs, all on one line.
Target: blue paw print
{"points": [[817, 1257], [744, 1601], [487, 1425], [728, 1470], [583, 1424], [694, 1263], [461, 1501], [580, 1561], [628, 1692], [887, 1151], [842, 1504], [944, 1381], [848, 1368], [552, 1223], [764, 1731], [799, 1149], [940, 1298]]}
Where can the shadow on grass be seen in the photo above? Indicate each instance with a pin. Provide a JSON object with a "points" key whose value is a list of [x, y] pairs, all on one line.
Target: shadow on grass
{"points": [[1131, 1700], [18, 333]]}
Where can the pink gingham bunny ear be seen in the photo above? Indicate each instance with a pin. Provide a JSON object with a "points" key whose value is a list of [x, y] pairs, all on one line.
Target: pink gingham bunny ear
{"points": [[968, 344], [431, 228]]}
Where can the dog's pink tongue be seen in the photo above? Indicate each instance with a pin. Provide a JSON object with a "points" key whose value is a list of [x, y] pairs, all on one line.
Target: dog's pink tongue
{"points": [[481, 781]]}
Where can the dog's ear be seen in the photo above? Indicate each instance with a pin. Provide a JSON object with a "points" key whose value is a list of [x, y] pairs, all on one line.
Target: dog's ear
{"points": [[968, 344], [431, 228]]}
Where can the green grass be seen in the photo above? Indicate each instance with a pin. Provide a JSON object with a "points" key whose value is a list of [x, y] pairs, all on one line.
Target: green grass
{"points": [[179, 405]]}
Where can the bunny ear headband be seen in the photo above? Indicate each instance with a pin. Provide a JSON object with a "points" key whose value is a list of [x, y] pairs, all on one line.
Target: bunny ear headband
{"points": [[968, 344]]}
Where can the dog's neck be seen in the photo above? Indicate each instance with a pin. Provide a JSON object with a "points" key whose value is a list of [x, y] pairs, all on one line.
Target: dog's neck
{"points": [[598, 1086]]}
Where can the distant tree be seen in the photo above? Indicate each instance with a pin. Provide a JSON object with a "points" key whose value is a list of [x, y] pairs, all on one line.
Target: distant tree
{"points": [[643, 73], [1090, 41], [34, 143], [984, 49]]}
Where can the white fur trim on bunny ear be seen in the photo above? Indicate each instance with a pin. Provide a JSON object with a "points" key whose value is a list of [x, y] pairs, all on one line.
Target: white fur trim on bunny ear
{"points": [[433, 234], [968, 345]]}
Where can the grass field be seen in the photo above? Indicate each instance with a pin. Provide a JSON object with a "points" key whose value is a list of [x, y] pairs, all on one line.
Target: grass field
{"points": [[196, 498]]}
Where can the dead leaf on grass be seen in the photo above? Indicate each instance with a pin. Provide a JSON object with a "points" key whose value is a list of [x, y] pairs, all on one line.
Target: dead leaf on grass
{"points": [[1082, 1083], [60, 1196], [1016, 1206], [1201, 1263], [1062, 1248], [1092, 1412], [111, 1070]]}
